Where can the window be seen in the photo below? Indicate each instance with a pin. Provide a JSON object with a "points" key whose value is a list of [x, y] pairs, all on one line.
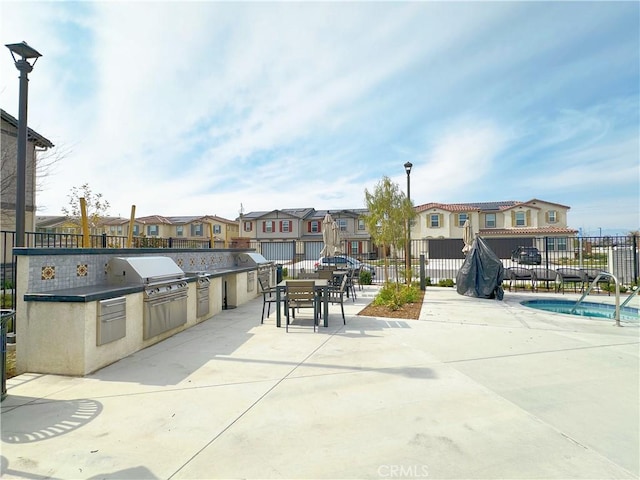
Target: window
{"points": [[562, 243], [521, 219], [490, 220], [152, 230], [217, 229], [434, 220], [552, 216], [355, 248], [462, 217], [286, 226], [314, 226], [136, 230], [248, 226], [557, 243], [196, 230], [180, 230], [342, 224], [268, 226], [361, 224]]}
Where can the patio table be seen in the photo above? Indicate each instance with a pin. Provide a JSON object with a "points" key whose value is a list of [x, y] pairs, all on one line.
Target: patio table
{"points": [[320, 284]]}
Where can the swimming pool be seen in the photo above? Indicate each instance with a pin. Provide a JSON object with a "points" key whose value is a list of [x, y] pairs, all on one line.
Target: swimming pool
{"points": [[585, 309]]}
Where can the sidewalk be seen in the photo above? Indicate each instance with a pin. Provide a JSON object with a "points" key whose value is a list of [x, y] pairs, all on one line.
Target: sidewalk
{"points": [[474, 389]]}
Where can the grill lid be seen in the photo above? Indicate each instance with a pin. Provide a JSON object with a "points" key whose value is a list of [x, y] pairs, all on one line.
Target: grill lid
{"points": [[252, 259], [143, 270]]}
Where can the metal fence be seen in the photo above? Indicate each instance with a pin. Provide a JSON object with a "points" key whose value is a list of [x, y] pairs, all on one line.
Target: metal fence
{"points": [[443, 257], [8, 270]]}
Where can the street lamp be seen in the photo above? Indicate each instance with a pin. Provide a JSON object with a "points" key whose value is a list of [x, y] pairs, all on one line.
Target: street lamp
{"points": [[407, 168], [26, 53]]}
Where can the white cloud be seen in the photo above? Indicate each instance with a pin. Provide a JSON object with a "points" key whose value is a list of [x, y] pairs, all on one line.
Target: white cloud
{"points": [[280, 105]]}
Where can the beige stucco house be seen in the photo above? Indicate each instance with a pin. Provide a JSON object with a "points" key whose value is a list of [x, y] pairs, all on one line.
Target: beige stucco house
{"points": [[504, 219]]}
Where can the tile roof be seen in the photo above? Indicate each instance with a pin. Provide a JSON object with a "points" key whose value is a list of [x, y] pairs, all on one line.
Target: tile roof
{"points": [[492, 232], [466, 207]]}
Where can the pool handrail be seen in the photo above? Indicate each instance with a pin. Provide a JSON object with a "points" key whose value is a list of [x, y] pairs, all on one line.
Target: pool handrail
{"points": [[633, 292], [593, 284]]}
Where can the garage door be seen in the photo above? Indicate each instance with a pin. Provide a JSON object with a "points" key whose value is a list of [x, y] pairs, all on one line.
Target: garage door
{"points": [[279, 252], [312, 250]]}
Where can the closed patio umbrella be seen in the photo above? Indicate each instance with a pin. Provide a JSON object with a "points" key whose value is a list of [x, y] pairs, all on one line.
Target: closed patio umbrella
{"points": [[467, 236], [328, 236], [336, 238]]}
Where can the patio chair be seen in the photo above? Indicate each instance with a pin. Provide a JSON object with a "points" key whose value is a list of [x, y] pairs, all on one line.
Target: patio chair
{"points": [[356, 277], [351, 290], [337, 293], [545, 275], [307, 276], [268, 297], [515, 274], [592, 274], [301, 295], [326, 273], [571, 275]]}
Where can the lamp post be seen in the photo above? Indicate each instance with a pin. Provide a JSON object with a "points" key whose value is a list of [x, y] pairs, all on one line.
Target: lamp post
{"points": [[407, 168], [26, 53]]}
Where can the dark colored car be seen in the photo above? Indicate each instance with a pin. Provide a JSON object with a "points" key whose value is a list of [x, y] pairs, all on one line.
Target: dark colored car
{"points": [[527, 256]]}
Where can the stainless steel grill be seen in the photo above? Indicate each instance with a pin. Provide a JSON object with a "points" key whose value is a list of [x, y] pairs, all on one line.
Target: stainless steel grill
{"points": [[165, 290], [265, 268], [202, 296]]}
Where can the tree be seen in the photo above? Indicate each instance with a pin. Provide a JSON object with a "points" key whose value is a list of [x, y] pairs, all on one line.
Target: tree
{"points": [[45, 163], [96, 205], [388, 217]]}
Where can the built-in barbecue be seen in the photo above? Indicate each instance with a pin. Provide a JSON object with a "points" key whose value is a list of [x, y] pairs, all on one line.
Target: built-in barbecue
{"points": [[264, 267], [165, 290]]}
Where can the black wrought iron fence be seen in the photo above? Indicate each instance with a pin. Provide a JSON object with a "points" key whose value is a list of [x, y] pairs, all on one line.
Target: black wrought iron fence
{"points": [[442, 257]]}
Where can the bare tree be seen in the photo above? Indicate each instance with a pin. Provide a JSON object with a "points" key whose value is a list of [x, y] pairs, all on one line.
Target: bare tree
{"points": [[96, 205], [46, 161]]}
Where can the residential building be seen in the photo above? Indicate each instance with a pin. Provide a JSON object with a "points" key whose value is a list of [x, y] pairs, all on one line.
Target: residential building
{"points": [[36, 143], [298, 232], [153, 226], [528, 220]]}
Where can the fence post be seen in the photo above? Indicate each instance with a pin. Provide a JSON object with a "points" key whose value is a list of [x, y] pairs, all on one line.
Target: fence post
{"points": [[423, 280], [170, 242], [636, 267], [104, 240]]}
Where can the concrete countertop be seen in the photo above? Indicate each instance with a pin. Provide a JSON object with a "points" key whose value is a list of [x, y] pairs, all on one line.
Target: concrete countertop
{"points": [[83, 294], [94, 293]]}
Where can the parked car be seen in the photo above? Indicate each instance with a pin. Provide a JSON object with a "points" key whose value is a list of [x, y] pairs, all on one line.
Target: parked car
{"points": [[345, 261], [527, 256]]}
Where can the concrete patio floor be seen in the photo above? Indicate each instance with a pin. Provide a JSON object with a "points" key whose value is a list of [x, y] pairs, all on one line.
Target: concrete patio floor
{"points": [[474, 389]]}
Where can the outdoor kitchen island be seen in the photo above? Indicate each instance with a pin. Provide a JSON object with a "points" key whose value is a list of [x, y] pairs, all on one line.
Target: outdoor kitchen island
{"points": [[79, 310]]}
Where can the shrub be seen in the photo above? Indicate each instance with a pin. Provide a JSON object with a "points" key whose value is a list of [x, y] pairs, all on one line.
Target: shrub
{"points": [[365, 277], [394, 295], [285, 272], [445, 282], [611, 287], [6, 301]]}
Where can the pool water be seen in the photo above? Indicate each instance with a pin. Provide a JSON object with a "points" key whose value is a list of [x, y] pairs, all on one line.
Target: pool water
{"points": [[585, 309]]}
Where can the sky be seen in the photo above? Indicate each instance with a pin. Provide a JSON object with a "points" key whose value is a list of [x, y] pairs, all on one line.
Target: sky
{"points": [[199, 108]]}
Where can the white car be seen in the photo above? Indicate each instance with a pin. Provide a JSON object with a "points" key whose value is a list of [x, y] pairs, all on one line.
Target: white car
{"points": [[346, 262]]}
